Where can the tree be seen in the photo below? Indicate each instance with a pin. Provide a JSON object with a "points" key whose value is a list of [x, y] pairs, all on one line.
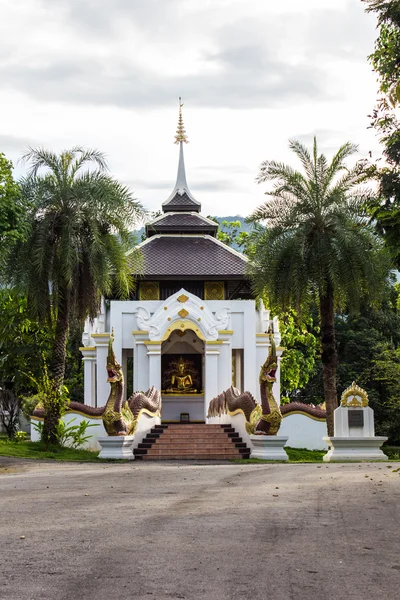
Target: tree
{"points": [[22, 346], [317, 244], [299, 360], [385, 60], [78, 248], [12, 211], [368, 347]]}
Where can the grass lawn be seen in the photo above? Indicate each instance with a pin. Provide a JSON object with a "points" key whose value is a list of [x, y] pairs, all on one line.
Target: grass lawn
{"points": [[37, 450]]}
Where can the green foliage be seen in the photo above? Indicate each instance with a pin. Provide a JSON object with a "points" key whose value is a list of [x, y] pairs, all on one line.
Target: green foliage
{"points": [[73, 436], [12, 211], [29, 403], [78, 249], [385, 60], [38, 451], [231, 233], [79, 238], [20, 436], [23, 342], [386, 378], [368, 348], [317, 234], [300, 359], [68, 436]]}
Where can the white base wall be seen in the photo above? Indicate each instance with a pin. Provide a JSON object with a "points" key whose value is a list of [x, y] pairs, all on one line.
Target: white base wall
{"points": [[301, 431], [304, 432], [145, 424], [355, 448], [173, 406]]}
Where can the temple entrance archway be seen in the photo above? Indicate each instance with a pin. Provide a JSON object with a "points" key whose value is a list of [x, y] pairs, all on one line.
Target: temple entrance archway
{"points": [[182, 376]]}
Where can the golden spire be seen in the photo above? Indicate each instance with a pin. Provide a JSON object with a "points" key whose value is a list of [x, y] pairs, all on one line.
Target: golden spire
{"points": [[180, 130]]}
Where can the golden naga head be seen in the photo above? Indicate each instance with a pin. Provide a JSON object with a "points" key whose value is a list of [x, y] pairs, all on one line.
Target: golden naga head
{"points": [[269, 368], [114, 369]]}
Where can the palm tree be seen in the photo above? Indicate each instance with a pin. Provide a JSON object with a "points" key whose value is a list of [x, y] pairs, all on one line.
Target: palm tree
{"points": [[316, 244], [79, 247]]}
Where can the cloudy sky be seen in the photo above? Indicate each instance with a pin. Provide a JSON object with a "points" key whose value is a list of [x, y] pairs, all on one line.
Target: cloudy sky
{"points": [[252, 74]]}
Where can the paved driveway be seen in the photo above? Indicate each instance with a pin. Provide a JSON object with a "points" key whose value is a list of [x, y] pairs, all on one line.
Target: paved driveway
{"points": [[164, 531]]}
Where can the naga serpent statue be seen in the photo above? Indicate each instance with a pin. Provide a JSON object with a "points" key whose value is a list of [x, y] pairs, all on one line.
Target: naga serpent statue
{"points": [[264, 419], [271, 416], [119, 417]]}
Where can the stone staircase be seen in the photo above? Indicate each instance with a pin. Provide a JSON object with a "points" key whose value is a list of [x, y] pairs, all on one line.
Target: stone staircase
{"points": [[192, 441]]}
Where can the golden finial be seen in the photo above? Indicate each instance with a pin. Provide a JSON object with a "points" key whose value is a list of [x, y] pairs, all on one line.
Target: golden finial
{"points": [[180, 130]]}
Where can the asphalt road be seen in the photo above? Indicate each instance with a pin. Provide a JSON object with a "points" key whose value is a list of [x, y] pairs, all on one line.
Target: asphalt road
{"points": [[232, 531]]}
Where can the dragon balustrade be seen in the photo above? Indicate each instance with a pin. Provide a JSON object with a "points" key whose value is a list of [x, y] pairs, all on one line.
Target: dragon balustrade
{"points": [[264, 418], [119, 417]]}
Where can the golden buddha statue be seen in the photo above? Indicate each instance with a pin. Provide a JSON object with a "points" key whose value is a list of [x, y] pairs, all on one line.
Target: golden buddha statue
{"points": [[181, 380]]}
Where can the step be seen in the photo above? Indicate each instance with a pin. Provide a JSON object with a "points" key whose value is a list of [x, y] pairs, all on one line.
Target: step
{"points": [[222, 456], [164, 453], [194, 436], [192, 441], [194, 447]]}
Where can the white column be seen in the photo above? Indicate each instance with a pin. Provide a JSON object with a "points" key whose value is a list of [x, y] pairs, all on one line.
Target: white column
{"points": [[89, 365], [225, 367], [250, 370], [141, 367], [211, 375], [154, 354], [103, 387], [276, 389]]}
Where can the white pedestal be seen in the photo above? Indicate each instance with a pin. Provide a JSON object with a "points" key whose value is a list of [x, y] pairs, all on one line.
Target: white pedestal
{"points": [[117, 447], [269, 447], [354, 448]]}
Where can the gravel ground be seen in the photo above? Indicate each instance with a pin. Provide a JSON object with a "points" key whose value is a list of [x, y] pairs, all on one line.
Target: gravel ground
{"points": [[199, 531]]}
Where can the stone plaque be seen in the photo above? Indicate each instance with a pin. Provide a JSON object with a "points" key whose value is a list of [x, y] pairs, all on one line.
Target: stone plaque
{"points": [[356, 418]]}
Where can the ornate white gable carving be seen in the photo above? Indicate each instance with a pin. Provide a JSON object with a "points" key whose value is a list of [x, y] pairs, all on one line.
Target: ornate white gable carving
{"points": [[180, 307]]}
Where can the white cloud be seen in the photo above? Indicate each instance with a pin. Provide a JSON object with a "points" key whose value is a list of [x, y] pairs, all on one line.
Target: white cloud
{"points": [[252, 75]]}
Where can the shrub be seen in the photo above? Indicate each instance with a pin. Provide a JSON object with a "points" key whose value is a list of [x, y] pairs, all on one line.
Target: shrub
{"points": [[69, 436]]}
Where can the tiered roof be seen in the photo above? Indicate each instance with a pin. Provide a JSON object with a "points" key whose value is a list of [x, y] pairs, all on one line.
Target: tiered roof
{"points": [[182, 243]]}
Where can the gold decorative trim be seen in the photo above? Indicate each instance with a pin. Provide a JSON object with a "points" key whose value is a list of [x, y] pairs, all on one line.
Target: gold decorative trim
{"points": [[182, 298], [99, 335], [172, 395], [146, 411], [139, 332], [354, 397], [91, 348], [183, 313], [300, 412], [226, 331], [99, 417], [152, 342], [262, 335], [214, 290], [183, 325], [215, 342], [149, 290], [237, 411]]}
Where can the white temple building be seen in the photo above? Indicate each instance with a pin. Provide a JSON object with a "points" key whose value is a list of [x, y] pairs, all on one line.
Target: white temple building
{"points": [[193, 327]]}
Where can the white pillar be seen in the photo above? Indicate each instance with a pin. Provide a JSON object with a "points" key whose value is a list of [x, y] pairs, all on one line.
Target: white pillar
{"points": [[141, 367], [89, 366], [154, 354], [103, 387], [211, 375], [225, 367]]}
